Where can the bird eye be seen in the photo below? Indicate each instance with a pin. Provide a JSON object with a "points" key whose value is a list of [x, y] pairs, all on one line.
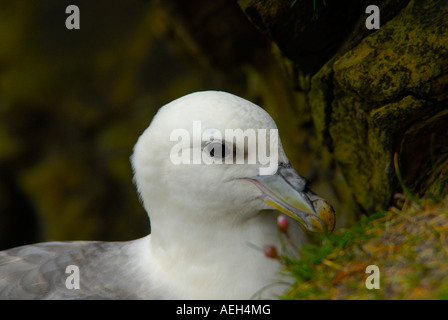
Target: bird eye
{"points": [[217, 150]]}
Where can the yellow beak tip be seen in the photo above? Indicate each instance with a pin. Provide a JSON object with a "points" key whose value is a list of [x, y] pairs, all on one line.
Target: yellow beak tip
{"points": [[326, 213]]}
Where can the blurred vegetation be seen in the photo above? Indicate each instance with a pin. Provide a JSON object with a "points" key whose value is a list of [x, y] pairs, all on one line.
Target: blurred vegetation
{"points": [[408, 243], [72, 105]]}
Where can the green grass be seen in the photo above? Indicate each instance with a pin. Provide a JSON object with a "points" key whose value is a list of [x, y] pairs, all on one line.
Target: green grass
{"points": [[409, 244]]}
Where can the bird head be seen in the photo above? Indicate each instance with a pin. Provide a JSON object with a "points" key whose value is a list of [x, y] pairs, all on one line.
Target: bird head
{"points": [[222, 155]]}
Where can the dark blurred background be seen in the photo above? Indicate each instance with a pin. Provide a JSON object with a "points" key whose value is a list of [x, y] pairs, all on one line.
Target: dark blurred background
{"points": [[74, 102], [347, 100]]}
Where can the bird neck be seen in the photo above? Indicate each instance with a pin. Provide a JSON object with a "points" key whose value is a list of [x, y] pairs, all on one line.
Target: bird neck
{"points": [[194, 227], [211, 253]]}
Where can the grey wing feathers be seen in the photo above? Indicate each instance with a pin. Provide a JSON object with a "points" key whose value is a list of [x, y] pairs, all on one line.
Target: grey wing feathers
{"points": [[39, 271]]}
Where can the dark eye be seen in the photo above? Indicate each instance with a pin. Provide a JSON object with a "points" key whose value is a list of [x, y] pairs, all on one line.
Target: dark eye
{"points": [[217, 150]]}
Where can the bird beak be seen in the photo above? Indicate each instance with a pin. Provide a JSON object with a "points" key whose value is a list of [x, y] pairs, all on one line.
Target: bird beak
{"points": [[287, 192]]}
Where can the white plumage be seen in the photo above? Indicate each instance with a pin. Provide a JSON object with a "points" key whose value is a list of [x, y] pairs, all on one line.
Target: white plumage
{"points": [[207, 222]]}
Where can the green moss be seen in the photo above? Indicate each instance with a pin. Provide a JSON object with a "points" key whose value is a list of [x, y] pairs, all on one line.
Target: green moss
{"points": [[412, 41], [376, 98], [408, 243]]}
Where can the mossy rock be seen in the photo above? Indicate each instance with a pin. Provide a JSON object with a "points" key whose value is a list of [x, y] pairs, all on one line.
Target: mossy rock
{"points": [[385, 96], [293, 26]]}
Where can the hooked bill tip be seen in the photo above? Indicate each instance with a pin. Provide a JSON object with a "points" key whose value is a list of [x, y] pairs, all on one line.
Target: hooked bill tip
{"points": [[326, 213]]}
